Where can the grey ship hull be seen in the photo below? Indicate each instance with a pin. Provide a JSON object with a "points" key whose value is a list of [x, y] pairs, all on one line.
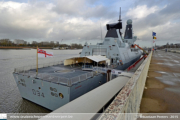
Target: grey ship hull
{"points": [[126, 65], [46, 93]]}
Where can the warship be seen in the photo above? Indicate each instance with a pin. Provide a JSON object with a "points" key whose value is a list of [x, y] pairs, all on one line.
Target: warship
{"points": [[59, 83]]}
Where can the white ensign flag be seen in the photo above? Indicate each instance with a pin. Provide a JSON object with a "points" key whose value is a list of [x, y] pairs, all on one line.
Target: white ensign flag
{"points": [[44, 54]]}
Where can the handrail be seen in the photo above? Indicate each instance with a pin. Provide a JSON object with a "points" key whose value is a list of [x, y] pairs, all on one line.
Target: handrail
{"points": [[132, 66], [25, 71]]}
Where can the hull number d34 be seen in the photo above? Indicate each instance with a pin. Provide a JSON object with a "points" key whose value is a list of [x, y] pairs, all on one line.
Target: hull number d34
{"points": [[36, 92]]}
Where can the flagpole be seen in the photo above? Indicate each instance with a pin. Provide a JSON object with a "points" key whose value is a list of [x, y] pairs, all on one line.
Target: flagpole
{"points": [[152, 41], [37, 62]]}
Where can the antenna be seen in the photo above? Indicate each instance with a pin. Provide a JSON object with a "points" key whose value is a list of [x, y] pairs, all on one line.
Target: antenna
{"points": [[101, 31], [120, 22], [119, 14], [101, 37]]}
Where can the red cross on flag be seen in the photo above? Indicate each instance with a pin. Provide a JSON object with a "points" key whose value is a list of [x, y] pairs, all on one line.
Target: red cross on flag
{"points": [[43, 53]]}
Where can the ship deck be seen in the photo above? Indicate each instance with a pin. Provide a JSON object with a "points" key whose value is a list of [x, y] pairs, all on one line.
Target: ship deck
{"points": [[59, 74], [61, 71]]}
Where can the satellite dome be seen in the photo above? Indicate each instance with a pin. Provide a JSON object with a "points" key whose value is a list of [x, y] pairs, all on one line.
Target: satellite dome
{"points": [[129, 21]]}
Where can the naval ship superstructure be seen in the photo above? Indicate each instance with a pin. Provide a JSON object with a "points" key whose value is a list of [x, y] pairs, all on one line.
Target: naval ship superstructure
{"points": [[119, 50], [57, 84]]}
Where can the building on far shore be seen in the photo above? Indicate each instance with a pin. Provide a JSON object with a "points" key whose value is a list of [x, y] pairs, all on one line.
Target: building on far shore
{"points": [[25, 42], [34, 42], [45, 43], [18, 42], [52, 43], [177, 45]]}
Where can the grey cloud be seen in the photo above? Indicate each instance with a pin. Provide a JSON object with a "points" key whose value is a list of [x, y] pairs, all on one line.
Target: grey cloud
{"points": [[73, 7], [164, 22], [151, 3], [100, 12], [78, 8], [85, 32], [18, 33], [92, 1], [49, 19], [40, 23], [171, 8]]}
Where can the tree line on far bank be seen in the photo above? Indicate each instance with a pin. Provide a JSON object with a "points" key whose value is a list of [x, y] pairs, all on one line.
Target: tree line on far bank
{"points": [[7, 42]]}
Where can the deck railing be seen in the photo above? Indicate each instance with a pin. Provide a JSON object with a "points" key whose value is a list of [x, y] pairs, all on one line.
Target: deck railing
{"points": [[27, 71], [56, 79], [30, 72]]}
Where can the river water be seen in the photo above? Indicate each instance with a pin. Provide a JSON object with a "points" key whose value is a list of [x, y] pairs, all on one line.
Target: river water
{"points": [[10, 98]]}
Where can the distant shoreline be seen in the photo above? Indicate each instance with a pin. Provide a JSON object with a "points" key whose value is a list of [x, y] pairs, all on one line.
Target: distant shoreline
{"points": [[28, 48], [14, 47]]}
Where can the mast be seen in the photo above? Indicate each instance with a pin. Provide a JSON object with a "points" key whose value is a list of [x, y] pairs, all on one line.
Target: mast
{"points": [[120, 21], [37, 62], [117, 25]]}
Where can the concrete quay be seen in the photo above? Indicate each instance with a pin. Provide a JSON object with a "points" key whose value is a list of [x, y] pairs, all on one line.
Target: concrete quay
{"points": [[162, 88]]}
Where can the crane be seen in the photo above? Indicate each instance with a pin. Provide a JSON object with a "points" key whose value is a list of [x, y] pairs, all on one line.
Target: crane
{"points": [[133, 46]]}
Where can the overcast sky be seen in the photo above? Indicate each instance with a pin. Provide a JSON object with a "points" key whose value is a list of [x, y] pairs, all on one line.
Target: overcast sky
{"points": [[77, 21]]}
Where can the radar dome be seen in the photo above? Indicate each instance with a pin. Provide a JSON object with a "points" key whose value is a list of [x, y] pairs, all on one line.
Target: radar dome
{"points": [[129, 21]]}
